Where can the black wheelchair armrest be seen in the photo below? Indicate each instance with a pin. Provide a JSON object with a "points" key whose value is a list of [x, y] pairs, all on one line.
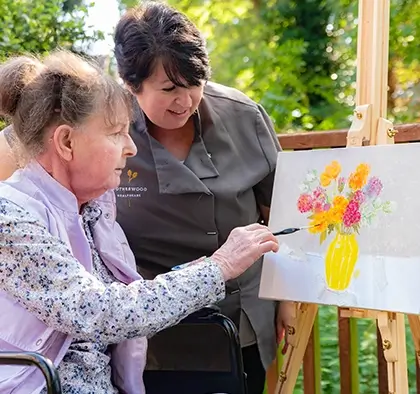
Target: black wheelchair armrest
{"points": [[203, 313]]}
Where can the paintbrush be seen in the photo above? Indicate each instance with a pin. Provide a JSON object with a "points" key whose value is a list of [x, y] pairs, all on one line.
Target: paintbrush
{"points": [[292, 230]]}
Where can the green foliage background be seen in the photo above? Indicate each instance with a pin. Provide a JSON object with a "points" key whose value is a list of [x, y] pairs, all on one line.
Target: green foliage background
{"points": [[298, 57], [40, 26]]}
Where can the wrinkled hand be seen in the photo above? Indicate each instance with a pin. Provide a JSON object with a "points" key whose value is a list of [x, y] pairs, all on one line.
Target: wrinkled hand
{"points": [[244, 246], [284, 318]]}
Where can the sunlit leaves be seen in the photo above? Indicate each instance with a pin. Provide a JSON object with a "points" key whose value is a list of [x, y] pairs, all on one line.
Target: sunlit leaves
{"points": [[298, 57], [40, 26]]}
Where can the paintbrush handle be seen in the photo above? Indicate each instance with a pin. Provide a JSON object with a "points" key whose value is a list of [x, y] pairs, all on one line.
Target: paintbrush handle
{"points": [[287, 231], [292, 230]]}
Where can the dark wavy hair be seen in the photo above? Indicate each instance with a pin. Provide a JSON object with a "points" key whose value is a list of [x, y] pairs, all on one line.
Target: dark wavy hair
{"points": [[156, 32]]}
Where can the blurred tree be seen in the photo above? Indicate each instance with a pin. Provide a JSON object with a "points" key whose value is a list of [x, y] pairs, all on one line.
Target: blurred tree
{"points": [[125, 4], [404, 66], [308, 21], [404, 70], [70, 5], [40, 26], [298, 57]]}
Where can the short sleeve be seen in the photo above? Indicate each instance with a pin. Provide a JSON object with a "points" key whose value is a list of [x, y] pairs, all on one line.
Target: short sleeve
{"points": [[270, 146]]}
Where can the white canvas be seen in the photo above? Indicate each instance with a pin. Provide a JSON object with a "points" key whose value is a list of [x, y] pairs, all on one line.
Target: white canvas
{"points": [[374, 261]]}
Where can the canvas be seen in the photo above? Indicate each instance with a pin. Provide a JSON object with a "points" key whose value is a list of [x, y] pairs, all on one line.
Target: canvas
{"points": [[362, 247]]}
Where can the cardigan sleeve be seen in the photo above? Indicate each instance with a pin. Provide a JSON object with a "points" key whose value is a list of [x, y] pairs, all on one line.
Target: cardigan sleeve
{"points": [[41, 273]]}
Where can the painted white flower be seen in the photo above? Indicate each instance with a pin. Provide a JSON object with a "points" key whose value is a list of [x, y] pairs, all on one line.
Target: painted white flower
{"points": [[389, 206], [377, 203], [304, 188], [311, 176]]}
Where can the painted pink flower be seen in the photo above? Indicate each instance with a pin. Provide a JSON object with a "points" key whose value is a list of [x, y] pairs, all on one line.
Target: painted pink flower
{"points": [[305, 203], [318, 193], [352, 214], [318, 206], [374, 187], [318, 202], [359, 197]]}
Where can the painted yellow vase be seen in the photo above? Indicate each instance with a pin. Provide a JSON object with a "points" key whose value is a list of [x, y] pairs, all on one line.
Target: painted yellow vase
{"points": [[340, 260]]}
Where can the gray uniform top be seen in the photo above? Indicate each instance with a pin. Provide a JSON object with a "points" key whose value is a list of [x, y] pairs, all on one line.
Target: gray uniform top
{"points": [[174, 212]]}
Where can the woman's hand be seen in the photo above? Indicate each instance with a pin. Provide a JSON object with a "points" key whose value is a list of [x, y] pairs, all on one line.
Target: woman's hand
{"points": [[244, 246], [284, 319]]}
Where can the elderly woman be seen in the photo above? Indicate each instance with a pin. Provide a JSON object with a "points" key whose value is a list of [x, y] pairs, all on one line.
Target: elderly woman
{"points": [[207, 163], [68, 284]]}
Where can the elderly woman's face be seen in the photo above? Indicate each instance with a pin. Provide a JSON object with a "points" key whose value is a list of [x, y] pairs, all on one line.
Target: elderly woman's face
{"points": [[99, 154], [166, 105]]}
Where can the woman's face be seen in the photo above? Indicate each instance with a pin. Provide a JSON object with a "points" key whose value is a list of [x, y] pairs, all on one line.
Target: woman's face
{"points": [[99, 154], [166, 105]]}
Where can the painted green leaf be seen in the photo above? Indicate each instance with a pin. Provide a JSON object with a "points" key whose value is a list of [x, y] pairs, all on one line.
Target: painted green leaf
{"points": [[323, 237]]}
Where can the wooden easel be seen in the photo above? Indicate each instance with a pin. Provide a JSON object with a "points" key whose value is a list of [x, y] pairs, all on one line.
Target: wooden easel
{"points": [[369, 127]]}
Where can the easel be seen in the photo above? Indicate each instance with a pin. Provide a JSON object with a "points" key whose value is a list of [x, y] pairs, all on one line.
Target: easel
{"points": [[371, 127]]}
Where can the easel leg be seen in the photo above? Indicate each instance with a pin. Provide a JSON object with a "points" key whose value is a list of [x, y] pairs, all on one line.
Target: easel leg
{"points": [[392, 328], [414, 321], [298, 338], [272, 377]]}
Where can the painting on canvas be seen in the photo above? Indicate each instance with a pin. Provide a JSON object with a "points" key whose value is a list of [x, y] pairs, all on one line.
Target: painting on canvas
{"points": [[360, 243]]}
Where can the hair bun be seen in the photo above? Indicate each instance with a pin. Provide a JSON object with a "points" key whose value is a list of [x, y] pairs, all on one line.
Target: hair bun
{"points": [[15, 74]]}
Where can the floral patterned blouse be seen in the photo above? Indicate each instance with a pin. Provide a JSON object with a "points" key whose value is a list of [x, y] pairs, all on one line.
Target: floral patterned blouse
{"points": [[85, 369]]}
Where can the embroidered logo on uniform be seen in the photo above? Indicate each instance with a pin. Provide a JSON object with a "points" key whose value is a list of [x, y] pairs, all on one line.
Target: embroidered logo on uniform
{"points": [[131, 175], [131, 191]]}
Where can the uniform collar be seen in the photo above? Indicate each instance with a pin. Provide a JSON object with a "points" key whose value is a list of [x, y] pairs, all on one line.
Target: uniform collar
{"points": [[175, 177]]}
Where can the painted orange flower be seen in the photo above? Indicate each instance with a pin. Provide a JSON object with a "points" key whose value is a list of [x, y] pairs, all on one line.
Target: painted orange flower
{"points": [[339, 205], [325, 179], [320, 221], [330, 173], [340, 202], [333, 169], [359, 178]]}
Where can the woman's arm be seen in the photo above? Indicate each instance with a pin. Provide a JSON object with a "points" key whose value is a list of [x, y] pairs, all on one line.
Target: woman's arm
{"points": [[40, 272], [8, 164], [270, 147]]}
